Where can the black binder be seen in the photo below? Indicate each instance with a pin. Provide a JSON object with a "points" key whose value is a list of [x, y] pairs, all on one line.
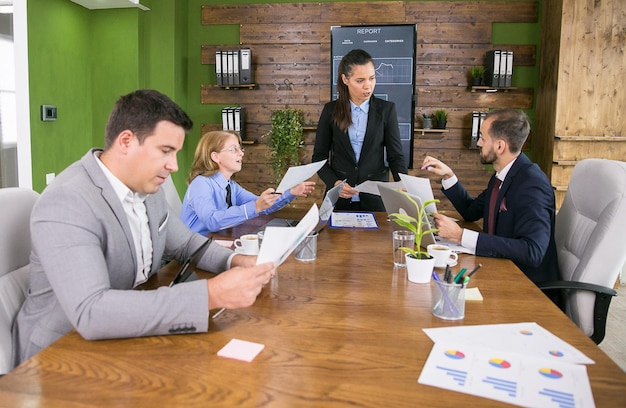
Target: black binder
{"points": [[492, 68], [475, 130], [245, 67]]}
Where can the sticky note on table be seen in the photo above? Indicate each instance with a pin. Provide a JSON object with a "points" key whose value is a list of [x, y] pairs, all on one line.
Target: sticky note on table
{"points": [[241, 350], [473, 294]]}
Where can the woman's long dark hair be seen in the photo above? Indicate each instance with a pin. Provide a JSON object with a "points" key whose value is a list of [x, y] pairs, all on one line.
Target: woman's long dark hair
{"points": [[342, 116]]}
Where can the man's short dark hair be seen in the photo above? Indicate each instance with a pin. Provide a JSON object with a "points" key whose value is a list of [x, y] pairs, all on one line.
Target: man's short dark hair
{"points": [[511, 125], [140, 111]]}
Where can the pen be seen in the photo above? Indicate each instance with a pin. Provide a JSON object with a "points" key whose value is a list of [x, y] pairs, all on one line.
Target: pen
{"points": [[219, 312], [459, 275], [474, 270], [446, 275]]}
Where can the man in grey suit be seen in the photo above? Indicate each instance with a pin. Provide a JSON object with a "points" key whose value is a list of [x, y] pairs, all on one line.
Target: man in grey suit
{"points": [[102, 227]]}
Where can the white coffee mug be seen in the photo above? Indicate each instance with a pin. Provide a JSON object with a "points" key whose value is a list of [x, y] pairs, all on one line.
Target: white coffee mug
{"points": [[247, 244], [443, 255]]}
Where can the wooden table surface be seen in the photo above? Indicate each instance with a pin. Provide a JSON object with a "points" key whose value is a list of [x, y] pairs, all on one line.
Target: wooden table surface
{"points": [[344, 330]]}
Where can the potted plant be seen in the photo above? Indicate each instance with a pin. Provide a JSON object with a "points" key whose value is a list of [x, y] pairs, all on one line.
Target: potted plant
{"points": [[441, 118], [285, 139], [427, 121], [419, 264], [476, 75]]}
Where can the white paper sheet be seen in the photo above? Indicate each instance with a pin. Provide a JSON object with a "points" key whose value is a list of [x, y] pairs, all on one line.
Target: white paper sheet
{"points": [[241, 350], [371, 187], [527, 338], [506, 376], [279, 242], [298, 174], [420, 187]]}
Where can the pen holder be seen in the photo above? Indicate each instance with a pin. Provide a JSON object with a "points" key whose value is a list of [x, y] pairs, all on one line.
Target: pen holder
{"points": [[448, 300], [307, 250]]}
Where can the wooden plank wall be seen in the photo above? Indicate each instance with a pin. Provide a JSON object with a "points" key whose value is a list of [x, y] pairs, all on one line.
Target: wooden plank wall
{"points": [[290, 44], [581, 103]]}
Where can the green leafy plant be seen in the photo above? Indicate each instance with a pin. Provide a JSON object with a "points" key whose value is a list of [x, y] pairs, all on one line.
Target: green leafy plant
{"points": [[285, 139], [441, 118], [477, 71], [415, 226]]}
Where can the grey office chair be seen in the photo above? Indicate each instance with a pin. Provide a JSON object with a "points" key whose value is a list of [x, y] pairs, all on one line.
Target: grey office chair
{"points": [[16, 205], [591, 243], [172, 197]]}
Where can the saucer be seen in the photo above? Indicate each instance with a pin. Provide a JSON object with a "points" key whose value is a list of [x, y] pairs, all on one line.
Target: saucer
{"points": [[241, 251], [453, 263]]}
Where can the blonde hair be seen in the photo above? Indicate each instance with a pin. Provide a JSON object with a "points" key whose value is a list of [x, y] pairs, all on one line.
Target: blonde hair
{"points": [[203, 164]]}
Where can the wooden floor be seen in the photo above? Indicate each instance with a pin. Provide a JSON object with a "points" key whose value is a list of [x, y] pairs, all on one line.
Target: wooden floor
{"points": [[614, 343]]}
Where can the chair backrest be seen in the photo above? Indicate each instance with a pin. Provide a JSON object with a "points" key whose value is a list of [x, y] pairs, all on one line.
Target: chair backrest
{"points": [[591, 233], [172, 197], [16, 205]]}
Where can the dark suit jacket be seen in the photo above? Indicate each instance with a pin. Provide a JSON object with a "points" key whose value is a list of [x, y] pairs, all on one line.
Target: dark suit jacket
{"points": [[333, 144], [524, 225]]}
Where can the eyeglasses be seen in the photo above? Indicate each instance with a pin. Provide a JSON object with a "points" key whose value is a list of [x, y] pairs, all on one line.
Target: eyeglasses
{"points": [[233, 149]]}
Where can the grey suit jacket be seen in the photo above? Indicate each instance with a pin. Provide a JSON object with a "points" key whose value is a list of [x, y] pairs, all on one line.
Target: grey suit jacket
{"points": [[83, 266]]}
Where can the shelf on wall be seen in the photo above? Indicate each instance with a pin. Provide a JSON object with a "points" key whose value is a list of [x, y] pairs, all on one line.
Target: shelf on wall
{"points": [[424, 131], [489, 89], [237, 86], [591, 138]]}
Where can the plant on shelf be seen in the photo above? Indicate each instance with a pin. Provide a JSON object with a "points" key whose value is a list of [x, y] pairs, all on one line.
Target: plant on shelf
{"points": [[476, 75], [441, 118], [415, 226], [427, 121], [285, 139]]}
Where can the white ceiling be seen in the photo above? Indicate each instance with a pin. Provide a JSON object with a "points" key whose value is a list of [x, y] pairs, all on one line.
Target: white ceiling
{"points": [[109, 4]]}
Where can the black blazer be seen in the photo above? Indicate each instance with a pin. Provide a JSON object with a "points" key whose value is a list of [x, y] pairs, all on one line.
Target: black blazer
{"points": [[524, 225], [382, 134]]}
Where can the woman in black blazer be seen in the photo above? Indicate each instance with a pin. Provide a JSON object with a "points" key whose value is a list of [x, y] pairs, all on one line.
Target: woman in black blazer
{"points": [[355, 133]]}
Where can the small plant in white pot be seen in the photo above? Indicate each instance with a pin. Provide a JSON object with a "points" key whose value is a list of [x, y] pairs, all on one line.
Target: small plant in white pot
{"points": [[419, 264]]}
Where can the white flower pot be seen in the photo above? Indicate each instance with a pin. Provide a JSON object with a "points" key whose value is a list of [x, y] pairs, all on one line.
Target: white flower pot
{"points": [[419, 270]]}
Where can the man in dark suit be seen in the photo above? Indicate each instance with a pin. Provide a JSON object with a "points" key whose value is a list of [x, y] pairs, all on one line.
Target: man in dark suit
{"points": [[521, 225], [355, 132]]}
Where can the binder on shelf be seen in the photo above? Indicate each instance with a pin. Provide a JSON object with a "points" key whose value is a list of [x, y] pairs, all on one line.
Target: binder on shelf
{"points": [[502, 78], [225, 118], [475, 130], [218, 66], [492, 68], [240, 121], [509, 69], [231, 118], [235, 67], [229, 58], [245, 67], [224, 68]]}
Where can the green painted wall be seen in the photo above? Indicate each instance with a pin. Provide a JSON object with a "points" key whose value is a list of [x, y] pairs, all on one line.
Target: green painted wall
{"points": [[83, 60], [59, 74]]}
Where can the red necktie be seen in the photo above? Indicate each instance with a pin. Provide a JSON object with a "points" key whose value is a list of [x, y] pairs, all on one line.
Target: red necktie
{"points": [[491, 222]]}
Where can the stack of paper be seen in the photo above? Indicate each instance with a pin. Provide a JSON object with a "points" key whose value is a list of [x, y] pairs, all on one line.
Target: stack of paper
{"points": [[521, 364]]}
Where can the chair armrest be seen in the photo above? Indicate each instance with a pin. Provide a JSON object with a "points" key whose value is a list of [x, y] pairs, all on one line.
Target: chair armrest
{"points": [[578, 286], [601, 306]]}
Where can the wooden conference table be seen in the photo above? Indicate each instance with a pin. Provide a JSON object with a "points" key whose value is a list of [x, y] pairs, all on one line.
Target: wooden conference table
{"points": [[344, 330]]}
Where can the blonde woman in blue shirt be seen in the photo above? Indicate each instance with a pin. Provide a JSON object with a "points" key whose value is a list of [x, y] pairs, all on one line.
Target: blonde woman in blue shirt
{"points": [[208, 206]]}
